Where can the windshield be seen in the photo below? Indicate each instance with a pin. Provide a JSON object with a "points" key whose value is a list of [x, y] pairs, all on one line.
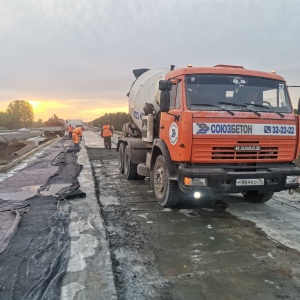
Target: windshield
{"points": [[239, 93]]}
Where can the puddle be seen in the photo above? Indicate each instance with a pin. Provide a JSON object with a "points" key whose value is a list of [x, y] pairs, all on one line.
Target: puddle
{"points": [[188, 212], [30, 188], [167, 209], [17, 196], [208, 209], [22, 193], [53, 189], [142, 216]]}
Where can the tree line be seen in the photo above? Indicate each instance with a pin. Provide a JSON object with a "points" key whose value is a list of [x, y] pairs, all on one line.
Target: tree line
{"points": [[18, 114], [115, 119]]}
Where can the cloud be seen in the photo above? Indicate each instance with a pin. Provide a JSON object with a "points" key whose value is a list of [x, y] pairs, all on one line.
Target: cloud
{"points": [[86, 49]]}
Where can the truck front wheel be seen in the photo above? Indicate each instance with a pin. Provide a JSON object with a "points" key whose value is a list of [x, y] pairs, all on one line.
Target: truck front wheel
{"points": [[255, 197], [166, 191]]}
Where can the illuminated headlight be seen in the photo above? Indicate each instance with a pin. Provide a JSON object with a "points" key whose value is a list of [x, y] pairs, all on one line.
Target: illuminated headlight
{"points": [[291, 179], [195, 181], [197, 195]]}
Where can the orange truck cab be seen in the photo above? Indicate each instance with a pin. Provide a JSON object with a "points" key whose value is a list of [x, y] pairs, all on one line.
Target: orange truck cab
{"points": [[217, 129]]}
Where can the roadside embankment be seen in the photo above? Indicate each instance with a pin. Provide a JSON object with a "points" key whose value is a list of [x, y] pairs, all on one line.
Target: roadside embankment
{"points": [[25, 152]]}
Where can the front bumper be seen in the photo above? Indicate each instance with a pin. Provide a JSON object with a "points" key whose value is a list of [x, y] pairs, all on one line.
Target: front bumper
{"points": [[224, 178]]}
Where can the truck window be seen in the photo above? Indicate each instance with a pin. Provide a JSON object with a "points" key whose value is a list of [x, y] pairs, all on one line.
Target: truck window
{"points": [[270, 96], [175, 95], [236, 89], [178, 95]]}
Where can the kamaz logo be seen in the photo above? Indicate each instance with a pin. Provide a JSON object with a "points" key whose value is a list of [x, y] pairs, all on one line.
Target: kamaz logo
{"points": [[247, 148]]}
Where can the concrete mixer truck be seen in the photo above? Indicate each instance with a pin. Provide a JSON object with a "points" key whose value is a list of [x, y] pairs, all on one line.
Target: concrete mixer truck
{"points": [[198, 130]]}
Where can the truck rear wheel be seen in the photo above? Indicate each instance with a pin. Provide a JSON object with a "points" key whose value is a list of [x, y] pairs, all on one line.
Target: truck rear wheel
{"points": [[129, 167], [255, 197], [121, 157], [166, 191]]}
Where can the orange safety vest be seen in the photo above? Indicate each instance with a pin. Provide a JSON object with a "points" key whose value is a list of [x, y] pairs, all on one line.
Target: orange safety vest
{"points": [[70, 128], [78, 131], [106, 131]]}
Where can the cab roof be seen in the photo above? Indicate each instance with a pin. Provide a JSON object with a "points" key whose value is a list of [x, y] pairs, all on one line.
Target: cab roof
{"points": [[222, 69]]}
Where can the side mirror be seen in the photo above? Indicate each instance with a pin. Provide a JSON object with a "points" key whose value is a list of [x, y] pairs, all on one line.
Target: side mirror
{"points": [[298, 110], [164, 101], [165, 85]]}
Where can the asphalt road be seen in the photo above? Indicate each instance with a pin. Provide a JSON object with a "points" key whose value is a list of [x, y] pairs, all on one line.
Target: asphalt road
{"points": [[214, 248]]}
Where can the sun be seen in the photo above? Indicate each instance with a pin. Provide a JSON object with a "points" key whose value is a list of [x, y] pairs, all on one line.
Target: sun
{"points": [[35, 105]]}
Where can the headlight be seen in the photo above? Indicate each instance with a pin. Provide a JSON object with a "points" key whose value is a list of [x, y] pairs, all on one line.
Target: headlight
{"points": [[291, 179], [197, 195], [200, 181]]}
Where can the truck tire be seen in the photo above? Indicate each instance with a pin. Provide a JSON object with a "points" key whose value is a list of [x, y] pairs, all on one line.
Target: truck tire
{"points": [[166, 191], [129, 167], [151, 178], [121, 157], [255, 197]]}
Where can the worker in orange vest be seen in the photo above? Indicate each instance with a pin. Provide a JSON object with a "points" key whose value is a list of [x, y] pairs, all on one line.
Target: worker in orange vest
{"points": [[70, 130], [77, 134], [107, 133]]}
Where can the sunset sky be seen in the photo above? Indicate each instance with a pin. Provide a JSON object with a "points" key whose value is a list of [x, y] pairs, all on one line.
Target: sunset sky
{"points": [[74, 58]]}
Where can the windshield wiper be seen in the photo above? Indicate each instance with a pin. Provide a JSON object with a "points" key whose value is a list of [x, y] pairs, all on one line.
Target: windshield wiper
{"points": [[258, 105], [240, 105], [207, 104]]}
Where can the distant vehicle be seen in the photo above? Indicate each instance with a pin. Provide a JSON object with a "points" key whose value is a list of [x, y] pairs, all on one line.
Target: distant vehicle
{"points": [[24, 130], [74, 122], [54, 126]]}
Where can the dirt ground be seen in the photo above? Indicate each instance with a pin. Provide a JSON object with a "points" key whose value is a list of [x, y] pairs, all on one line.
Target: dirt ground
{"points": [[11, 143], [196, 250], [7, 148]]}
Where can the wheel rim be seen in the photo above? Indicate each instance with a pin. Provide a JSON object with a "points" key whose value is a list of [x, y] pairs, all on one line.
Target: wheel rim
{"points": [[159, 181]]}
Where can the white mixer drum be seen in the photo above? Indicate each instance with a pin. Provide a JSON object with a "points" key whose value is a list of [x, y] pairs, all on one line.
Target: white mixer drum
{"points": [[145, 90]]}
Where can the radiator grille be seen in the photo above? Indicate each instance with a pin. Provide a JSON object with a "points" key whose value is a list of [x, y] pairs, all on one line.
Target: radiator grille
{"points": [[221, 153]]}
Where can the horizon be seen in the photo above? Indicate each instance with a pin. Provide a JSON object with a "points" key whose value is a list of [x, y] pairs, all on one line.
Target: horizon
{"points": [[45, 111]]}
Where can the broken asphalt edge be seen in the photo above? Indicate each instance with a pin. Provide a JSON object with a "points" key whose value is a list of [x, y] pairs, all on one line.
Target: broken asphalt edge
{"points": [[18, 160], [89, 273]]}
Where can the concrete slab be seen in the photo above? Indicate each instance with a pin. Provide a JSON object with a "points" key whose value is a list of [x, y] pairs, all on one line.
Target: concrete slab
{"points": [[89, 274], [94, 140]]}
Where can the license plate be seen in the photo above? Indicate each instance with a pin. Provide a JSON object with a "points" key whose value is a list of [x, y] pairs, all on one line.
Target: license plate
{"points": [[256, 181]]}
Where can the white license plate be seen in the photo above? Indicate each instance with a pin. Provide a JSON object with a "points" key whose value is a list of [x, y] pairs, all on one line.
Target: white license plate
{"points": [[256, 181]]}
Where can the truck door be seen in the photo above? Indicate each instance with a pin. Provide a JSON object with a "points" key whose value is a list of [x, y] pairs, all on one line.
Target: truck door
{"points": [[173, 126]]}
